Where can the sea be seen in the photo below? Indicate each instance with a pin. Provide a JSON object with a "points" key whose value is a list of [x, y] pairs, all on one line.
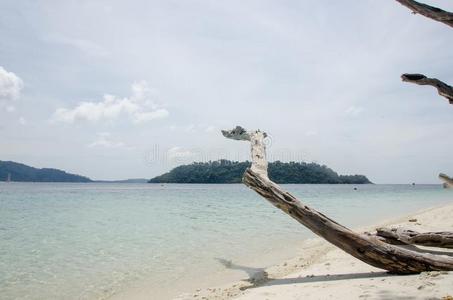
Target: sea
{"points": [[103, 240]]}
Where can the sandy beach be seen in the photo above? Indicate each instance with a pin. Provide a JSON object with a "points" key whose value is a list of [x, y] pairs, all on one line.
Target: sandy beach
{"points": [[321, 271]]}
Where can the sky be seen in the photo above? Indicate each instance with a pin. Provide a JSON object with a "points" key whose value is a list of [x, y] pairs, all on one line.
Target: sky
{"points": [[129, 89]]}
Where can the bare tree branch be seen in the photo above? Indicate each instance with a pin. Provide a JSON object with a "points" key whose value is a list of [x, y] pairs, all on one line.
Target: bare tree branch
{"points": [[443, 89], [447, 180], [368, 249], [443, 239], [428, 11]]}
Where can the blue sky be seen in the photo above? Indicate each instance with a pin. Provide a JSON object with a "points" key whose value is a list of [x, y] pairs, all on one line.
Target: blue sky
{"points": [[121, 89]]}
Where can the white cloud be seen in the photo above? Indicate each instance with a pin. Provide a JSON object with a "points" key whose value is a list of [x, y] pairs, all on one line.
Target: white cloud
{"points": [[10, 88], [10, 108], [176, 153], [354, 110], [311, 133], [103, 140], [140, 117], [190, 128], [193, 128], [22, 121], [139, 107], [86, 46]]}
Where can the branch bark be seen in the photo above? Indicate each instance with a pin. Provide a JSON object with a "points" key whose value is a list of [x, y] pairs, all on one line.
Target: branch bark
{"points": [[448, 181], [410, 237], [443, 89], [367, 248], [428, 11]]}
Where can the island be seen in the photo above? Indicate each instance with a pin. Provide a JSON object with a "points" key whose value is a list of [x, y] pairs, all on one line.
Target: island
{"points": [[13, 171], [226, 171]]}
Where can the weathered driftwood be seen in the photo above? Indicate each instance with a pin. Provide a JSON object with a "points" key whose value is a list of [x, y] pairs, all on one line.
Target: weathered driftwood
{"points": [[443, 89], [428, 11], [367, 248], [411, 237], [447, 180]]}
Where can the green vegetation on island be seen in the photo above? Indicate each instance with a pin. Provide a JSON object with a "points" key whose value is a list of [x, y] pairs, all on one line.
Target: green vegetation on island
{"points": [[12, 171], [225, 171]]}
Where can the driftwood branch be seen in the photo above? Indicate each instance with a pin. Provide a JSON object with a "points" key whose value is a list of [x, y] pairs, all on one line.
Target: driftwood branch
{"points": [[411, 237], [443, 89], [447, 180], [368, 249], [428, 11]]}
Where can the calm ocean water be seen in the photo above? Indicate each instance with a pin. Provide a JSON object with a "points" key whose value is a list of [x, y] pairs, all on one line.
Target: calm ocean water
{"points": [[91, 241]]}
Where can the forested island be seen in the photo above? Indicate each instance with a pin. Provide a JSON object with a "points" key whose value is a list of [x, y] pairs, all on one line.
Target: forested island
{"points": [[13, 171], [225, 171]]}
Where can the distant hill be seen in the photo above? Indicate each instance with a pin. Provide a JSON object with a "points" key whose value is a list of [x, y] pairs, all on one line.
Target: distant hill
{"points": [[132, 180], [225, 171], [21, 172]]}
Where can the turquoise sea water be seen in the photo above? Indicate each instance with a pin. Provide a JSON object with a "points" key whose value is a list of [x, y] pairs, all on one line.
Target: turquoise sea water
{"points": [[92, 241]]}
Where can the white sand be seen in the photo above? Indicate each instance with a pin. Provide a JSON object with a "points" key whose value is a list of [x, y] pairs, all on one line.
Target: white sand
{"points": [[321, 271]]}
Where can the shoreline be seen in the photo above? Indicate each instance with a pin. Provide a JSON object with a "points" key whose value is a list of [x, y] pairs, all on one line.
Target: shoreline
{"points": [[319, 270]]}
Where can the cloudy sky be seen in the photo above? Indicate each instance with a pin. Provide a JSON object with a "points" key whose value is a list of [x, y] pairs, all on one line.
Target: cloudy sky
{"points": [[126, 89]]}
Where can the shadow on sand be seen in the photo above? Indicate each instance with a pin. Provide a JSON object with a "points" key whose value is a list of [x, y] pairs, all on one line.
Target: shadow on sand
{"points": [[255, 274], [259, 277]]}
